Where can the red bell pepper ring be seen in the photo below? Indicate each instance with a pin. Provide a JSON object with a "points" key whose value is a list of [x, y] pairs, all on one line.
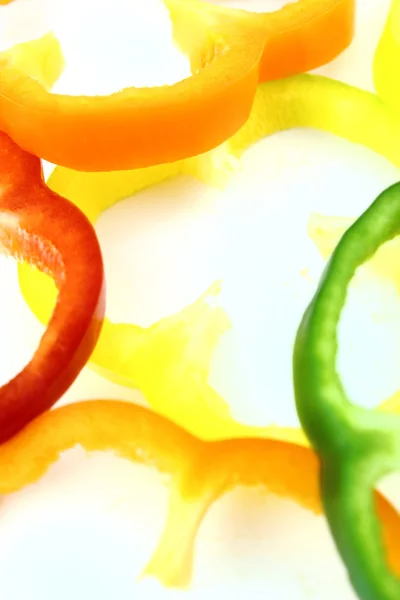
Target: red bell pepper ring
{"points": [[41, 227]]}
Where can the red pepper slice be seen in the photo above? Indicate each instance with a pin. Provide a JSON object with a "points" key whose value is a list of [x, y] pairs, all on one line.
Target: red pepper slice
{"points": [[39, 226]]}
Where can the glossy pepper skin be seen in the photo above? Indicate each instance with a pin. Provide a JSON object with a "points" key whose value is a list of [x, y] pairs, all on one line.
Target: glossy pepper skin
{"points": [[229, 52], [199, 472], [357, 447], [49, 232]]}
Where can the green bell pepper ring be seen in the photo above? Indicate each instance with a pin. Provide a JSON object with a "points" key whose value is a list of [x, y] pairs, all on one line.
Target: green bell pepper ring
{"points": [[357, 447]]}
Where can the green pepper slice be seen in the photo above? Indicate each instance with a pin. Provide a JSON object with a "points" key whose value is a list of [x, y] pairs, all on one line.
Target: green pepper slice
{"points": [[357, 447]]}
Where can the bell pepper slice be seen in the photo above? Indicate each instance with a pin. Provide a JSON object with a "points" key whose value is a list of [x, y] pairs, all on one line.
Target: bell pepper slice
{"points": [[358, 447], [41, 59], [386, 58], [49, 232], [229, 52], [168, 361], [125, 352], [298, 37], [199, 472]]}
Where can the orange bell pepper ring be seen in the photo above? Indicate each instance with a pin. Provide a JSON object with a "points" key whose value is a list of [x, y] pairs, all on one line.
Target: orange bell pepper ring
{"points": [[199, 472], [230, 52]]}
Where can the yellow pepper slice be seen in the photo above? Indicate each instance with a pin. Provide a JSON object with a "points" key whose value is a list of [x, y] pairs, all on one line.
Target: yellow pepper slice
{"points": [[326, 231], [387, 57]]}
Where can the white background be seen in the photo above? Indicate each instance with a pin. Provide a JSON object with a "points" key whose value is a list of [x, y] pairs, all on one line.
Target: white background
{"points": [[87, 529]]}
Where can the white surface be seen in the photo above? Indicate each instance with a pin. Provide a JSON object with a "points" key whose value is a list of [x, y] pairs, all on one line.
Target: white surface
{"points": [[87, 528]]}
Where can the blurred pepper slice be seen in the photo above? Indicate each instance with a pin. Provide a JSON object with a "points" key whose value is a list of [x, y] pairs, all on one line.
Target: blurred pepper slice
{"points": [[387, 57], [199, 472], [229, 52], [357, 447], [168, 361], [41, 59], [300, 36], [326, 231], [40, 227]]}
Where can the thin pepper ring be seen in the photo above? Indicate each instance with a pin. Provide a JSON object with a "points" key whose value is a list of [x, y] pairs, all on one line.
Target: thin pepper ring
{"points": [[357, 447], [230, 51]]}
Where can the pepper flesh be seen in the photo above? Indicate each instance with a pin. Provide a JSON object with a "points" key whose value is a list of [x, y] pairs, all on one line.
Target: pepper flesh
{"points": [[357, 447], [200, 472], [49, 232], [229, 51]]}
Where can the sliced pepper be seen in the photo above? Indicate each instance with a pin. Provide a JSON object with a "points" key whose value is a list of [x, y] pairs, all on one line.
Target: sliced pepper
{"points": [[124, 351], [168, 361], [199, 472], [387, 57], [41, 59], [47, 231], [229, 51], [357, 447], [300, 36]]}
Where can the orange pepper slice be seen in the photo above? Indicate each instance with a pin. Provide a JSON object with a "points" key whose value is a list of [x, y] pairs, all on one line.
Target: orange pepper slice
{"points": [[200, 472], [230, 52]]}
